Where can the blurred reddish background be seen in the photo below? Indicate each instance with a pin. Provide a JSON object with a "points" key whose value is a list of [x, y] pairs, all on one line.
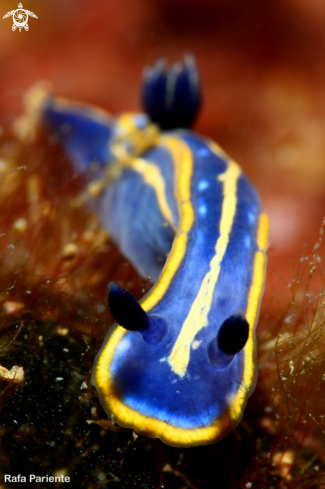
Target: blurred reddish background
{"points": [[263, 74]]}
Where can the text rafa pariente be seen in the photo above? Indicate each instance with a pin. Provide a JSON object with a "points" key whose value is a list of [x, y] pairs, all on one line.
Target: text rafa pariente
{"points": [[36, 478]]}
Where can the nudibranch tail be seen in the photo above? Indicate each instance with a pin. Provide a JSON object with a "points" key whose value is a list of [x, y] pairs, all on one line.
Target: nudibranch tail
{"points": [[83, 131]]}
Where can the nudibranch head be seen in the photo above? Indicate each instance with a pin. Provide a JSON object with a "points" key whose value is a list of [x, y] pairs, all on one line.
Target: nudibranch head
{"points": [[138, 389]]}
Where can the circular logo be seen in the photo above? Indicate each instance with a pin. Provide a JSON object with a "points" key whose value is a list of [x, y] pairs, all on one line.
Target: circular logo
{"points": [[20, 18]]}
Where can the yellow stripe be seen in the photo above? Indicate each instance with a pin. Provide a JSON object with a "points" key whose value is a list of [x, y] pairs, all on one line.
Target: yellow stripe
{"points": [[263, 232], [151, 174], [252, 311], [198, 315], [128, 417], [183, 162]]}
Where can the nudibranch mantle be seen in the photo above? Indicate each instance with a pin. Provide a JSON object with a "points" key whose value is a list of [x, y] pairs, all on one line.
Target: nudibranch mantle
{"points": [[185, 214], [216, 267]]}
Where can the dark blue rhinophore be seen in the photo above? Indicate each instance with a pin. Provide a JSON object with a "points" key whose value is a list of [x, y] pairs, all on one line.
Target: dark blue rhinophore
{"points": [[231, 339], [128, 313], [172, 96], [233, 334], [126, 310]]}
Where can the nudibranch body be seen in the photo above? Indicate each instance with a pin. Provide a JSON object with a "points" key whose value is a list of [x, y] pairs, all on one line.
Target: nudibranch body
{"points": [[181, 365]]}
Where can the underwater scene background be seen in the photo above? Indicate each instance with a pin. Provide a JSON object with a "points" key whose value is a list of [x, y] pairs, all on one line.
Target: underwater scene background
{"points": [[263, 79]]}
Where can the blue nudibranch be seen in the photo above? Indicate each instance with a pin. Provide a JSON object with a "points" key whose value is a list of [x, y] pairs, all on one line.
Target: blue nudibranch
{"points": [[180, 365]]}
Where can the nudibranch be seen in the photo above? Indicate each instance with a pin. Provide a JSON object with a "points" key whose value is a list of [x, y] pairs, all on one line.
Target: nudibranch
{"points": [[180, 364]]}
